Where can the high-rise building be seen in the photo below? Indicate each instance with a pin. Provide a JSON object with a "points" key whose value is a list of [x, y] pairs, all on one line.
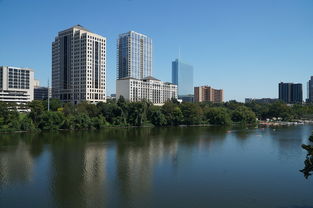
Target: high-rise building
{"points": [[208, 94], [16, 84], [310, 90], [182, 76], [134, 55], [149, 88], [79, 66], [290, 92]]}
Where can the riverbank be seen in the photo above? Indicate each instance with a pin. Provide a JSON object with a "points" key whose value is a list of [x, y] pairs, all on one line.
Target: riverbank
{"points": [[285, 123]]}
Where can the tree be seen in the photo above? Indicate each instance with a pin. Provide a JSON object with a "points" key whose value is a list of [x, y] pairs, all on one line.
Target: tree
{"points": [[112, 113], [279, 109], [192, 113], [68, 109], [55, 104], [90, 109], [36, 109], [244, 115], [50, 120], [98, 122], [27, 124], [156, 117], [172, 113], [218, 116], [136, 113], [81, 121]]}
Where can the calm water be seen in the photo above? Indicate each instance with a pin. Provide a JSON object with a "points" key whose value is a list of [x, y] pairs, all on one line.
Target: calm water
{"points": [[151, 167]]}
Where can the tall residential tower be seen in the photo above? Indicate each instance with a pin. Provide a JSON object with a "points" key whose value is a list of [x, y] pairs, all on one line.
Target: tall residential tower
{"points": [[290, 92], [79, 66], [134, 56]]}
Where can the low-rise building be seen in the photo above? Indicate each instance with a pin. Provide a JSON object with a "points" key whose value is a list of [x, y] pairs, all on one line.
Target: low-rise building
{"points": [[16, 84], [40, 92], [186, 98], [208, 94], [149, 88], [261, 100]]}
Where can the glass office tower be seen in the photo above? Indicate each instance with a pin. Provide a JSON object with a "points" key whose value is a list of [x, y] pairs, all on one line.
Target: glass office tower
{"points": [[182, 75], [134, 55]]}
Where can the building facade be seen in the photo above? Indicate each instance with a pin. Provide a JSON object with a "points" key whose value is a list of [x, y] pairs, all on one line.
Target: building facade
{"points": [[208, 94], [134, 55], [79, 66], [41, 93], [149, 88], [261, 100], [16, 84], [182, 76], [290, 93], [310, 90]]}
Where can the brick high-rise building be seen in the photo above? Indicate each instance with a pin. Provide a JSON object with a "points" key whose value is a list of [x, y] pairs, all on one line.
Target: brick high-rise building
{"points": [[208, 94]]}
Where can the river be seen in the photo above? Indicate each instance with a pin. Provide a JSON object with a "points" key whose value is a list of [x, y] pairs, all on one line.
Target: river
{"points": [[156, 167]]}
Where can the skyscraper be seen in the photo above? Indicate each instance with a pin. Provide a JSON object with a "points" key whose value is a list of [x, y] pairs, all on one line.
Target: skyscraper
{"points": [[290, 92], [310, 90], [79, 66], [134, 55], [182, 75]]}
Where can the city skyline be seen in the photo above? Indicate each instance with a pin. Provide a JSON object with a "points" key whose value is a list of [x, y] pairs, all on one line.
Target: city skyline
{"points": [[237, 40]]}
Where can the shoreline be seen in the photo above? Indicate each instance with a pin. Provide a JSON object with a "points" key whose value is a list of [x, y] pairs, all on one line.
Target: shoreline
{"points": [[260, 124]]}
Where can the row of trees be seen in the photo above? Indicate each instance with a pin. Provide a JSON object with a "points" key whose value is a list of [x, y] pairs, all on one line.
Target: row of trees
{"points": [[123, 113]]}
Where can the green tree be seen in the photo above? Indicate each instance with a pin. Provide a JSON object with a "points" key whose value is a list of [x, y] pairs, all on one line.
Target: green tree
{"points": [[112, 113], [244, 115], [50, 120], [81, 121], [27, 124], [98, 122], [218, 116], [55, 104], [279, 109], [156, 117], [90, 109], [68, 109], [36, 110], [136, 113], [192, 113], [172, 113]]}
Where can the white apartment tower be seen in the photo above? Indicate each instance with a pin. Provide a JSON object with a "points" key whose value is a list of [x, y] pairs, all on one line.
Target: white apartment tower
{"points": [[16, 84], [79, 66], [134, 55]]}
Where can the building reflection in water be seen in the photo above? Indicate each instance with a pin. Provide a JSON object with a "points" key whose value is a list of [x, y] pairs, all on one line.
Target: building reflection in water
{"points": [[82, 172], [16, 165]]}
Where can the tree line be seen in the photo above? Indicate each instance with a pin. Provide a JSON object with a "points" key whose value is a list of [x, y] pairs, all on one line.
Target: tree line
{"points": [[123, 113]]}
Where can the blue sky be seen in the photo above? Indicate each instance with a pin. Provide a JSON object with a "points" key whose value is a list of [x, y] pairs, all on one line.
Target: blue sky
{"points": [[245, 47]]}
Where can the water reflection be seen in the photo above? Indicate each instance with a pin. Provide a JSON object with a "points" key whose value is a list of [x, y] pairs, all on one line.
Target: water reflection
{"points": [[16, 164], [123, 167]]}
